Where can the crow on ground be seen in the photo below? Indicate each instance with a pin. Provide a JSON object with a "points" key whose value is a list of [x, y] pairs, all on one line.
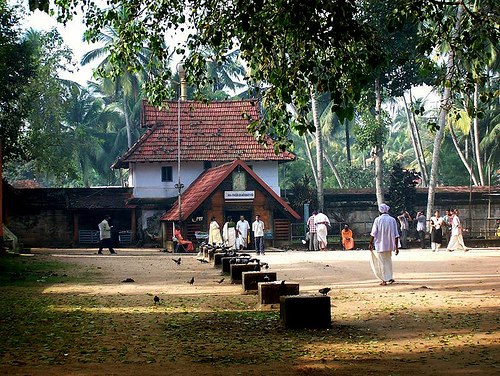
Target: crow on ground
{"points": [[220, 281], [128, 280], [203, 261], [191, 281], [177, 261], [156, 299], [324, 290]]}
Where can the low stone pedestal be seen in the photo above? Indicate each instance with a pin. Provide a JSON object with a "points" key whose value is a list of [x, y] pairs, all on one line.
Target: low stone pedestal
{"points": [[305, 311], [250, 280], [226, 263], [217, 257], [237, 269], [270, 292]]}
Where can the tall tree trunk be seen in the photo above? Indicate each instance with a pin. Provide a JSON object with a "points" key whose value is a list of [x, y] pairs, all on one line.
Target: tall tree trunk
{"points": [[378, 151], [311, 161], [419, 142], [335, 172], [319, 149], [463, 157], [127, 124], [476, 135], [293, 110], [411, 127], [445, 107], [347, 142]]}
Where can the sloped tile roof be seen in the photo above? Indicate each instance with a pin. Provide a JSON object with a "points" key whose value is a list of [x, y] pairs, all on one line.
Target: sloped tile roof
{"points": [[207, 183], [215, 131]]}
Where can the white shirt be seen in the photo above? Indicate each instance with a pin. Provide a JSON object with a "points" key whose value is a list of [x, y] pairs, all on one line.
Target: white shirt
{"points": [[258, 228], [321, 218], [456, 226], [385, 233], [104, 230], [243, 227]]}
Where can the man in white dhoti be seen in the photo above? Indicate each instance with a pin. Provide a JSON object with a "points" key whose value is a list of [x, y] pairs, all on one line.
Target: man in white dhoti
{"points": [[385, 237], [242, 227], [456, 239], [322, 221]]}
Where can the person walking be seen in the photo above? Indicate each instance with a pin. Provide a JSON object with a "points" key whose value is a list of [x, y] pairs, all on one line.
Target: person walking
{"points": [[384, 237], [214, 232], [456, 239], [404, 227], [258, 234], [436, 231], [242, 227], [347, 239], [105, 236], [322, 221], [420, 218], [313, 236], [447, 219]]}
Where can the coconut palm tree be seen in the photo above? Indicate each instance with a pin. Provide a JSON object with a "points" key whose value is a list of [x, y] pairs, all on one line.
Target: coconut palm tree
{"points": [[125, 87]]}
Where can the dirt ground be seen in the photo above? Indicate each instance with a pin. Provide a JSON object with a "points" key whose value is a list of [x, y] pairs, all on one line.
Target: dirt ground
{"points": [[441, 317]]}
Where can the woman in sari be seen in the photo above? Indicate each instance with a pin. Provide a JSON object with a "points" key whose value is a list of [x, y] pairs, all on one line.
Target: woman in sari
{"points": [[214, 233]]}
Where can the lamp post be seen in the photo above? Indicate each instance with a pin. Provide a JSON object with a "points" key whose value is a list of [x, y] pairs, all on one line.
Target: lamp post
{"points": [[182, 96]]}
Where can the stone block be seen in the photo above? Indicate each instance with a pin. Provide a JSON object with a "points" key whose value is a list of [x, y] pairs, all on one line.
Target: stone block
{"points": [[250, 280], [226, 264], [217, 257], [270, 292], [237, 269], [306, 311]]}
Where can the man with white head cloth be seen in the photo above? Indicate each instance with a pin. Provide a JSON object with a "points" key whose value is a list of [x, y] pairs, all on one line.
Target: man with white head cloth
{"points": [[385, 237], [322, 221]]}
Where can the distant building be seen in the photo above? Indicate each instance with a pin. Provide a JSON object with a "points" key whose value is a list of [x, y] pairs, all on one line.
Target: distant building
{"points": [[224, 171]]}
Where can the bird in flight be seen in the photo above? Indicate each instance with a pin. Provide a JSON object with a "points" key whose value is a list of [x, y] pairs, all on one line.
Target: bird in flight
{"points": [[156, 299], [177, 261], [324, 290], [191, 281]]}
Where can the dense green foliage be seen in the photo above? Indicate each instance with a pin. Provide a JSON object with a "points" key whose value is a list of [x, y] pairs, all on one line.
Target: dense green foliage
{"points": [[16, 71], [401, 192], [338, 47]]}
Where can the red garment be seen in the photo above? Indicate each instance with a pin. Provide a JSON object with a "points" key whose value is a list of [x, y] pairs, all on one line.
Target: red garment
{"points": [[186, 243]]}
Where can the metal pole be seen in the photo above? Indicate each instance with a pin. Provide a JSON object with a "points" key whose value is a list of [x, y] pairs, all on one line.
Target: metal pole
{"points": [[179, 185], [306, 217]]}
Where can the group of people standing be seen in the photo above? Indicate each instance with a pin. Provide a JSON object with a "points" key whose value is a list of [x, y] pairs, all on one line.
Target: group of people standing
{"points": [[447, 227], [237, 235], [385, 237], [317, 225], [317, 231]]}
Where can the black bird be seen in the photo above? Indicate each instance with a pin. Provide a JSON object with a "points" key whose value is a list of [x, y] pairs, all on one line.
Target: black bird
{"points": [[220, 281], [203, 261], [324, 290], [156, 299], [191, 281], [177, 261], [128, 280]]}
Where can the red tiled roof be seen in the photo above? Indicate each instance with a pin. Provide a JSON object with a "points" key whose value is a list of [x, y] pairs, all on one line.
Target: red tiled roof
{"points": [[206, 184], [26, 184], [215, 131]]}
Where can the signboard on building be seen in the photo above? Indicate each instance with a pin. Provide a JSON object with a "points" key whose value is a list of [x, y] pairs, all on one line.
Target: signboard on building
{"points": [[239, 195]]}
